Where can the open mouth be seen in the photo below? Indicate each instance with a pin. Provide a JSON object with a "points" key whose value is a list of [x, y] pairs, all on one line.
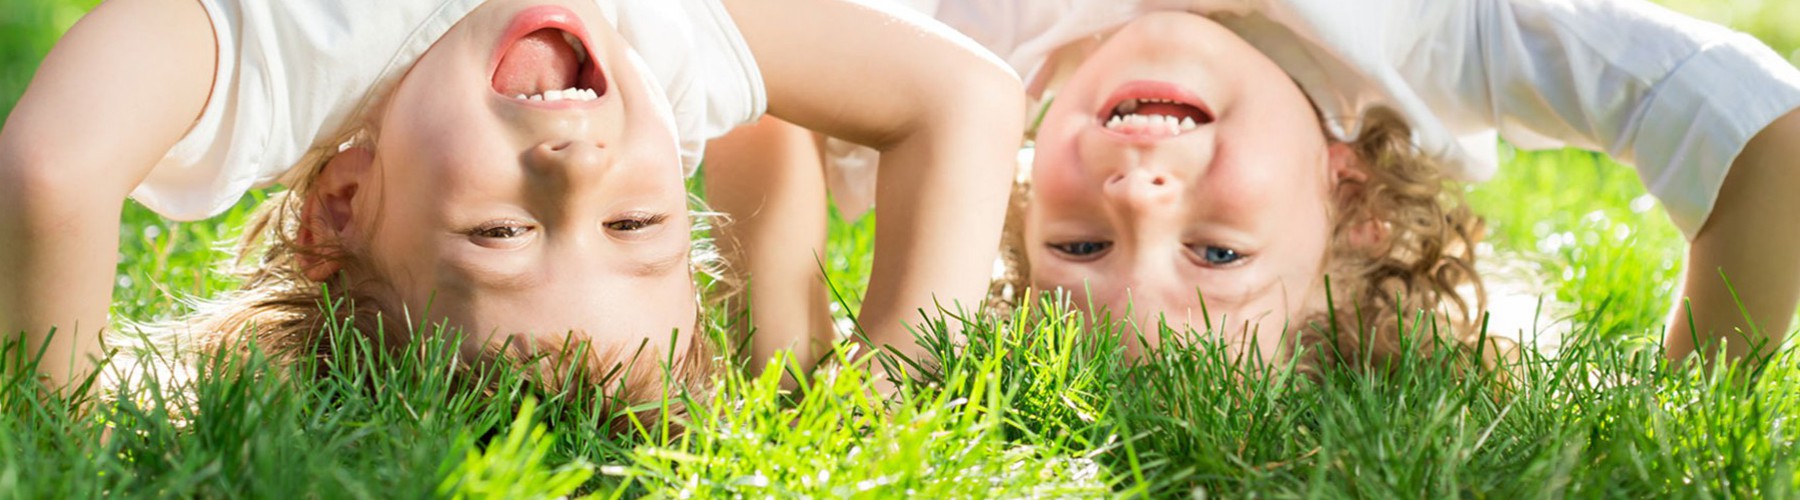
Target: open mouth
{"points": [[544, 58], [1154, 109]]}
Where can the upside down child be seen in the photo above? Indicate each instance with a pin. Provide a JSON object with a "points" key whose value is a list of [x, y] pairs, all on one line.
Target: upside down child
{"points": [[510, 168], [1240, 151]]}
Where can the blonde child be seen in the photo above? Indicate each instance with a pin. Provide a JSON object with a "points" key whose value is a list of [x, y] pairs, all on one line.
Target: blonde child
{"points": [[1240, 150], [511, 168]]}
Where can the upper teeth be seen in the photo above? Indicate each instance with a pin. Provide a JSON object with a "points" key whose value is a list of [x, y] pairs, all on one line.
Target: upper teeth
{"points": [[568, 94], [1152, 123], [1130, 105]]}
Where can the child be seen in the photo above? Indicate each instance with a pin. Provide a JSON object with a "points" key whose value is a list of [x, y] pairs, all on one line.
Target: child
{"points": [[1238, 150], [506, 167]]}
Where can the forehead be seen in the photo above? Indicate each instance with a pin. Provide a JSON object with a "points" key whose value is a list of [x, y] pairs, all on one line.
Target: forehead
{"points": [[610, 304]]}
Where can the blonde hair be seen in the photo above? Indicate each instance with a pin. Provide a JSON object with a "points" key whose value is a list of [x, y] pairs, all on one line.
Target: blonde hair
{"points": [[1402, 252], [282, 315], [1421, 260]]}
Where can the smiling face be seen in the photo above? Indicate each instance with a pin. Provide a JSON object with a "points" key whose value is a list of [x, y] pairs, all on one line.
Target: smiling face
{"points": [[508, 205], [1178, 161]]}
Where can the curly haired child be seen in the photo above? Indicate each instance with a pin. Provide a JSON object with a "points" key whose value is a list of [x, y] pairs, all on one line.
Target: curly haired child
{"points": [[1239, 151], [509, 168]]}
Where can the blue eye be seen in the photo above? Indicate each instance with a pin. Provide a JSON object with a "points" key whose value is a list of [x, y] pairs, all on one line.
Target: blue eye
{"points": [[1218, 256], [1081, 249]]}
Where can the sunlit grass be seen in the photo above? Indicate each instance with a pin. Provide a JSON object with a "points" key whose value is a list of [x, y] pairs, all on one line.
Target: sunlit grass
{"points": [[1035, 404]]}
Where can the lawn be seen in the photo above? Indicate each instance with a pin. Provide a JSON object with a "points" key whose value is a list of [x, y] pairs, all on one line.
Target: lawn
{"points": [[1033, 406]]}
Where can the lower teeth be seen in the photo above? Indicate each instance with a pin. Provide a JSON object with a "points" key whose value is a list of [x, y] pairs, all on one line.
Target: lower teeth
{"points": [[569, 94]]}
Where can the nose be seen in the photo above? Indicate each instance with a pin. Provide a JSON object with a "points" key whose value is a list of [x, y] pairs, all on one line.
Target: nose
{"points": [[1140, 190], [574, 163]]}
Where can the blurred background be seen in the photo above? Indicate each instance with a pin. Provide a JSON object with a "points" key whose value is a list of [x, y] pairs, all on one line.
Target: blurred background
{"points": [[27, 30]]}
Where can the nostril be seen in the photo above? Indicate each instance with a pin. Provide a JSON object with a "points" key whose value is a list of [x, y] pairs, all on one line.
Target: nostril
{"points": [[1115, 179]]}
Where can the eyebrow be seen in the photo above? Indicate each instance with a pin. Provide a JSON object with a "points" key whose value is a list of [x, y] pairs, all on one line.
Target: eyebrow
{"points": [[490, 277], [662, 264]]}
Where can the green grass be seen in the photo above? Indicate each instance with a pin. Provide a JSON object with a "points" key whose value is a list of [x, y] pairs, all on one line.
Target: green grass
{"points": [[1582, 230], [1035, 405]]}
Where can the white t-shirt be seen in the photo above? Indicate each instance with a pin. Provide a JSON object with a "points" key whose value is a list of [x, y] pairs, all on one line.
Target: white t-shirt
{"points": [[294, 76], [1675, 96]]}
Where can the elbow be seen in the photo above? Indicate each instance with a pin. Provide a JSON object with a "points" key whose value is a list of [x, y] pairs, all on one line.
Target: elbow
{"points": [[992, 110], [993, 97], [21, 173], [978, 102], [32, 190]]}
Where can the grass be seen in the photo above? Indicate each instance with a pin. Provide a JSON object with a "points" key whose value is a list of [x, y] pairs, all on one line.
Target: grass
{"points": [[1034, 405]]}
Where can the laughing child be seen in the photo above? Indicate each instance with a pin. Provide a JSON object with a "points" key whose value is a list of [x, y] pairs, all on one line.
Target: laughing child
{"points": [[515, 165], [1237, 151]]}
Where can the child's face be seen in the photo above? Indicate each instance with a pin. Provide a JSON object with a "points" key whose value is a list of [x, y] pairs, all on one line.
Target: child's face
{"points": [[1155, 211], [509, 215]]}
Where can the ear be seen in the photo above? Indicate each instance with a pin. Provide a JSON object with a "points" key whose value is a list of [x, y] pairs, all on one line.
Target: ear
{"points": [[1345, 166], [1349, 184], [326, 212]]}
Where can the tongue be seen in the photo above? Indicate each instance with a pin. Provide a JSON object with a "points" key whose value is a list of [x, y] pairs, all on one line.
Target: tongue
{"points": [[1167, 109], [541, 61]]}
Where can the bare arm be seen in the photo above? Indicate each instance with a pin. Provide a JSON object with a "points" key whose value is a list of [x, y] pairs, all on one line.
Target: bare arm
{"points": [[1753, 235], [120, 88], [768, 176], [946, 118]]}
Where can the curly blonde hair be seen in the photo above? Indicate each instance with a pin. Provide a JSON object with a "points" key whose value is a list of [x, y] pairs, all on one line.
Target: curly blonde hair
{"points": [[1401, 258], [1421, 258], [284, 316]]}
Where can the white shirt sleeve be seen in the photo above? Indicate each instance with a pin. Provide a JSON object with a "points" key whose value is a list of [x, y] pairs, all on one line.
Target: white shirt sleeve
{"points": [[291, 82], [700, 61], [1675, 96]]}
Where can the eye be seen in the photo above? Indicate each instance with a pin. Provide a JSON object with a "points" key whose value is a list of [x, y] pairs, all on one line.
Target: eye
{"points": [[1081, 250], [502, 230], [635, 222], [1218, 256]]}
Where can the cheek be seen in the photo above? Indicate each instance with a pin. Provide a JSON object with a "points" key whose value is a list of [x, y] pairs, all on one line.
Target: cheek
{"points": [[452, 133], [440, 113], [400, 252], [1303, 268], [1058, 179], [1045, 269], [1056, 188]]}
